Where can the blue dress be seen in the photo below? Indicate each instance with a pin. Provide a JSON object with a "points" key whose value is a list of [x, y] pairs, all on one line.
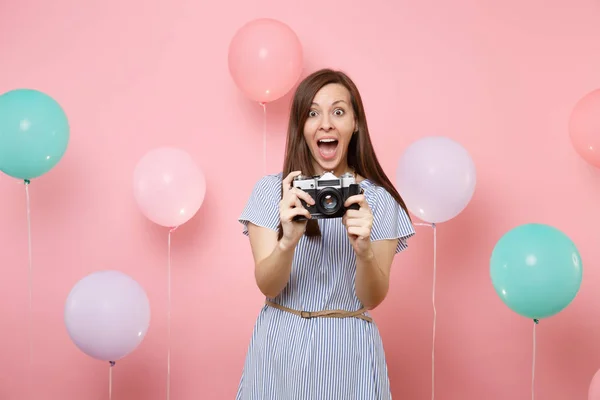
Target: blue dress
{"points": [[292, 358]]}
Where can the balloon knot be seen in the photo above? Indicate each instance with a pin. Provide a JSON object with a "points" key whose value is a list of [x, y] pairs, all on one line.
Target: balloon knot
{"points": [[112, 363], [27, 181], [173, 229], [433, 225], [537, 321]]}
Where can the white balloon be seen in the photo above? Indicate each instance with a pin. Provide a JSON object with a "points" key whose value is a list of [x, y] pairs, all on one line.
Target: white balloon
{"points": [[436, 178], [107, 315]]}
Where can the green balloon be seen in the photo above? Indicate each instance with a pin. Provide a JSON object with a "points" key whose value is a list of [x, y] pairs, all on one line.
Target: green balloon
{"points": [[34, 133], [536, 270]]}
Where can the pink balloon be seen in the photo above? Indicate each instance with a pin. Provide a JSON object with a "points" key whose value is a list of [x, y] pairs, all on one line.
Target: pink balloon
{"points": [[169, 187], [265, 59], [584, 128], [436, 178], [594, 391]]}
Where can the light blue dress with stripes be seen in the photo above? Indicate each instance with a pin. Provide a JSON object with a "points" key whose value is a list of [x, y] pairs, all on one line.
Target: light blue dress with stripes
{"points": [[293, 358]]}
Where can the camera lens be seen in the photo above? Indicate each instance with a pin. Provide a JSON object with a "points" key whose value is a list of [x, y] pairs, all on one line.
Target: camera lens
{"points": [[328, 201]]}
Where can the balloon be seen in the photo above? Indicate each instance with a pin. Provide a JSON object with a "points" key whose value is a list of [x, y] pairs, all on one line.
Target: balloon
{"points": [[436, 178], [107, 315], [584, 128], [265, 59], [34, 133], [169, 187], [594, 391], [536, 270]]}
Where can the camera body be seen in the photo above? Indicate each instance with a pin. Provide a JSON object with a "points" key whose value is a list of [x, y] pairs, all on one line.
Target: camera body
{"points": [[329, 192]]}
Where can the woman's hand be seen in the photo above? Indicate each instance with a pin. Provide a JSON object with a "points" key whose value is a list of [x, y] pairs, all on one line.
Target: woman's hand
{"points": [[358, 225], [290, 207]]}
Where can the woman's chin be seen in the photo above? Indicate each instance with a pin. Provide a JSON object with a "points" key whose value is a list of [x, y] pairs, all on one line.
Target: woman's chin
{"points": [[328, 166]]}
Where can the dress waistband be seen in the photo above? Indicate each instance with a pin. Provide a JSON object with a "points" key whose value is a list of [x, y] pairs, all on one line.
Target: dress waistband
{"points": [[324, 313]]}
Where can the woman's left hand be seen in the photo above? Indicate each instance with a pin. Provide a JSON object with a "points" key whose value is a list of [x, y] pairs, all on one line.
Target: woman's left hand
{"points": [[358, 225]]}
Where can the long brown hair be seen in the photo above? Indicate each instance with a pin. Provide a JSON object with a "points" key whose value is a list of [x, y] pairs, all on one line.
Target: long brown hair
{"points": [[361, 155]]}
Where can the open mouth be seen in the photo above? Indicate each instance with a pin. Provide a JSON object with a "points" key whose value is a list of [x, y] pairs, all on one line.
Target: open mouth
{"points": [[328, 147]]}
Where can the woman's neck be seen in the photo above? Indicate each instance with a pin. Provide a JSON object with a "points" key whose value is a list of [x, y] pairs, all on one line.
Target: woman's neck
{"points": [[339, 171]]}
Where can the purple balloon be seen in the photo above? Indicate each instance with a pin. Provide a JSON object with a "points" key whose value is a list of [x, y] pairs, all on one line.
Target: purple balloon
{"points": [[107, 315], [436, 178]]}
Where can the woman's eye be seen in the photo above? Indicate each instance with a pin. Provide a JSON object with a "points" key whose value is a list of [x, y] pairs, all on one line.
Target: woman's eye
{"points": [[312, 113], [339, 112]]}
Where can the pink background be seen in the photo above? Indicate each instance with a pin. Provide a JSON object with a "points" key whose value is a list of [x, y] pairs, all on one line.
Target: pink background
{"points": [[500, 77]]}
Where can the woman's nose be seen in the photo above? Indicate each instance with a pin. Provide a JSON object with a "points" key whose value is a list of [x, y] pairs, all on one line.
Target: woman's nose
{"points": [[326, 124]]}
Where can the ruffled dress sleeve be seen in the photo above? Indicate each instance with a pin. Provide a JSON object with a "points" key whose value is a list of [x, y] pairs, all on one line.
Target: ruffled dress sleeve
{"points": [[390, 221], [262, 207]]}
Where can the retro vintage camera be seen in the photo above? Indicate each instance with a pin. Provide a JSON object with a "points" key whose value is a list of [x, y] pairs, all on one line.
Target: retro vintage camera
{"points": [[329, 193]]}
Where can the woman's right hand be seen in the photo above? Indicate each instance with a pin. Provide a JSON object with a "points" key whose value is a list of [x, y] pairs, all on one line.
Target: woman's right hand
{"points": [[290, 207]]}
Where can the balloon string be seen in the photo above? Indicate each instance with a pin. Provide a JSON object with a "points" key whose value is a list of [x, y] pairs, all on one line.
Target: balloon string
{"points": [[264, 106], [535, 322], [169, 312], [434, 312], [433, 303], [30, 287], [110, 379]]}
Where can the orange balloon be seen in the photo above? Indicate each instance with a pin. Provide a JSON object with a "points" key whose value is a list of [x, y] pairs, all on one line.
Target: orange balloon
{"points": [[594, 391], [584, 128], [265, 59]]}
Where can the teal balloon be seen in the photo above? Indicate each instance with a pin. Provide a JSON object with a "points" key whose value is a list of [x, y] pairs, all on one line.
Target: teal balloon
{"points": [[536, 270], [34, 133]]}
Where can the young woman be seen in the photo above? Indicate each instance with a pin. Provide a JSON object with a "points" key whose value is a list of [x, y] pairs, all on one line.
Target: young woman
{"points": [[314, 339]]}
